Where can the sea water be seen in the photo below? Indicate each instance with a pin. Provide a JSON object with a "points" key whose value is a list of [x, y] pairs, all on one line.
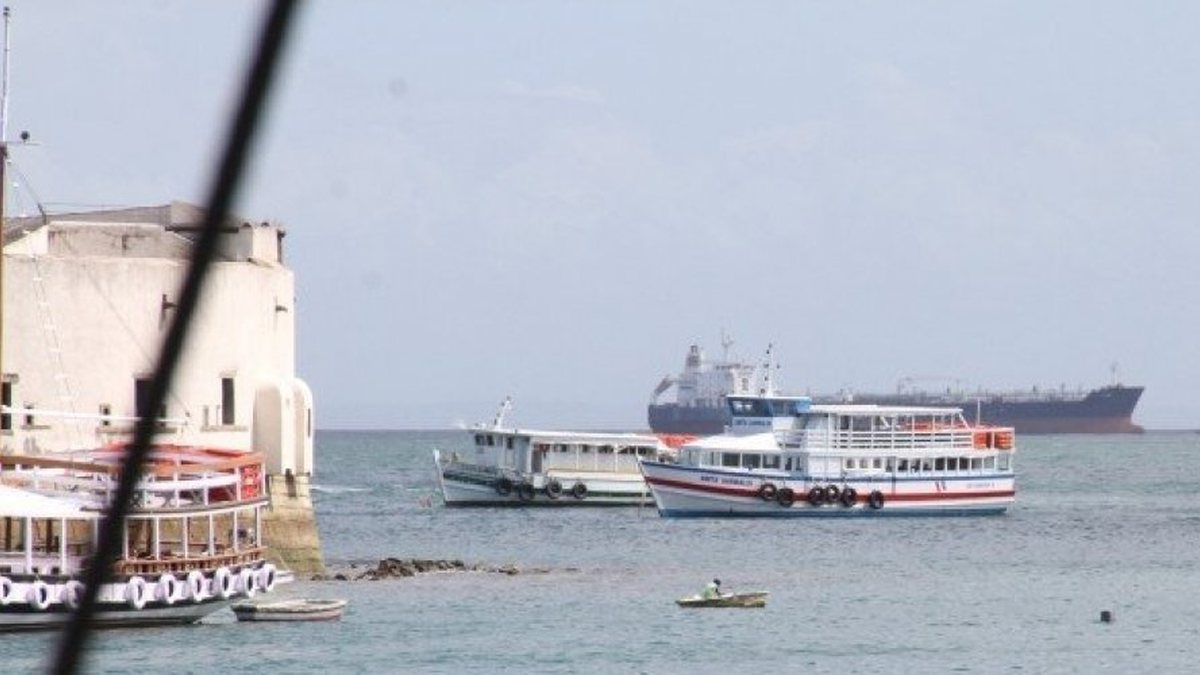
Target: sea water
{"points": [[1100, 523]]}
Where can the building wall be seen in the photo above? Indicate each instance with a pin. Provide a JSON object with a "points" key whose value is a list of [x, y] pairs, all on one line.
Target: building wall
{"points": [[86, 306]]}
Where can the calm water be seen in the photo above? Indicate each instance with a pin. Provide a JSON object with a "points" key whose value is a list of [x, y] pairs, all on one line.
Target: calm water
{"points": [[1100, 523]]}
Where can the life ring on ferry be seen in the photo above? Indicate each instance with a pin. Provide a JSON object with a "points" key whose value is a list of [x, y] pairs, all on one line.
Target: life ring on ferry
{"points": [[247, 584], [816, 495], [72, 594], [553, 488], [168, 589], [504, 486], [832, 493], [222, 583], [849, 497], [579, 491], [195, 585], [875, 500], [38, 595], [135, 592], [786, 497], [767, 492], [6, 589], [267, 577], [525, 492]]}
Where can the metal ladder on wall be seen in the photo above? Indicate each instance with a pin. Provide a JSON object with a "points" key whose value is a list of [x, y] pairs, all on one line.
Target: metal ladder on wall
{"points": [[64, 392]]}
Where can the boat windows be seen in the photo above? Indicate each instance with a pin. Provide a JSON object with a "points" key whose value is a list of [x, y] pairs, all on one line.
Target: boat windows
{"points": [[976, 463], [478, 439], [751, 460], [585, 448], [731, 459], [605, 449], [1002, 462], [877, 463], [508, 442], [849, 463], [491, 440], [989, 462], [939, 464], [964, 464], [902, 466], [771, 462]]}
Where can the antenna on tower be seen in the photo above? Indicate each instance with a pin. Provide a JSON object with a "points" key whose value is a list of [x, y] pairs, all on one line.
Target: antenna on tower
{"points": [[726, 343], [768, 386]]}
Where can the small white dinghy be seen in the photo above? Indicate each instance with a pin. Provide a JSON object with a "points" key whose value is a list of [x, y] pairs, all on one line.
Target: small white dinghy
{"points": [[300, 609]]}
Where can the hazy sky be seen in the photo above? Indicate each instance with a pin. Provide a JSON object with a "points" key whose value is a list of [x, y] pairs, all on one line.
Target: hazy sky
{"points": [[554, 199]]}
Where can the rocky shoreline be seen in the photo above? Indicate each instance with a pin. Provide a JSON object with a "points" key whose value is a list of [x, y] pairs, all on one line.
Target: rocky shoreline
{"points": [[400, 568]]}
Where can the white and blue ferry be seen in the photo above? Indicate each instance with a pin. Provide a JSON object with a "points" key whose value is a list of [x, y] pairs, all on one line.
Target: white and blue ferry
{"points": [[782, 456]]}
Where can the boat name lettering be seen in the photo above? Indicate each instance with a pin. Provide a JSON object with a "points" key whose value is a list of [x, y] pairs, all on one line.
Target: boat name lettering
{"points": [[726, 480]]}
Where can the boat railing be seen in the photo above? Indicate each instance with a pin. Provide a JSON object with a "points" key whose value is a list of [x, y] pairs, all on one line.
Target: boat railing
{"points": [[948, 438], [154, 567]]}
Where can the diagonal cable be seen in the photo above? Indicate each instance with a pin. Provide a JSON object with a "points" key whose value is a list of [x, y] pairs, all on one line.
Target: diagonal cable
{"points": [[237, 147]]}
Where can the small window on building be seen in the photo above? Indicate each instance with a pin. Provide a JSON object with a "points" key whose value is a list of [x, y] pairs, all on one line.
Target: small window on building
{"points": [[141, 399], [6, 397], [228, 409]]}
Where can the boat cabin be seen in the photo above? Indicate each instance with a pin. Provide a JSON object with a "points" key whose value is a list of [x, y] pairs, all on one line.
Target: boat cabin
{"points": [[535, 452]]}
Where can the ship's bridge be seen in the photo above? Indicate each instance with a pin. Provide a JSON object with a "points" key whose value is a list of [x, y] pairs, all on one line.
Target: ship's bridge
{"points": [[756, 414]]}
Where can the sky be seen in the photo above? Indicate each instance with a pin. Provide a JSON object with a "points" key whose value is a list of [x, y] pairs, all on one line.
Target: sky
{"points": [[552, 200]]}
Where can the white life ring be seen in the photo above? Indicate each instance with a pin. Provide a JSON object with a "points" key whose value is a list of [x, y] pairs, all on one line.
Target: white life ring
{"points": [[6, 589], [72, 594], [39, 595], [195, 585], [246, 582], [135, 592], [168, 588], [222, 583], [266, 578]]}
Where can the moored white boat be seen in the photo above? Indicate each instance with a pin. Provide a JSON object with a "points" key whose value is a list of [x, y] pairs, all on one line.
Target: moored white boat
{"points": [[526, 467], [295, 609], [191, 545], [781, 456]]}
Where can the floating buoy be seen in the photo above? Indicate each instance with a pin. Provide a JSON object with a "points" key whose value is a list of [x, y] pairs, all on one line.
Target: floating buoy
{"points": [[1106, 616]]}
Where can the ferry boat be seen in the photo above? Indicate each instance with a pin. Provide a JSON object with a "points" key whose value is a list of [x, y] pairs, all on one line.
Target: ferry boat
{"points": [[782, 456], [192, 544], [526, 467]]}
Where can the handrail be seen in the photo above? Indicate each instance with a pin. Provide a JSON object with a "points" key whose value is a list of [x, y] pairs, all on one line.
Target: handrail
{"points": [[128, 566]]}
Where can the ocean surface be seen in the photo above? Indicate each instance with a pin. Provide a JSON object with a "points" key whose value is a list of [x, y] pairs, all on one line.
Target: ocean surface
{"points": [[1100, 523]]}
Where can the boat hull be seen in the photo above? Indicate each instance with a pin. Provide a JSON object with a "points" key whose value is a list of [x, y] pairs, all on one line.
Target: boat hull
{"points": [[741, 600], [683, 492], [17, 618]]}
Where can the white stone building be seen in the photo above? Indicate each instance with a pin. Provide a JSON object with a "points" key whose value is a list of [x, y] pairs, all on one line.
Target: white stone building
{"points": [[87, 301]]}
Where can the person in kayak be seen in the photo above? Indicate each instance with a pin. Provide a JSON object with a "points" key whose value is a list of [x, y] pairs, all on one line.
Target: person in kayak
{"points": [[711, 590]]}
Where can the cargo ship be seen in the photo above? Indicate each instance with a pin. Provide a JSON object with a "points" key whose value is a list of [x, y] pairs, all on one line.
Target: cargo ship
{"points": [[700, 389]]}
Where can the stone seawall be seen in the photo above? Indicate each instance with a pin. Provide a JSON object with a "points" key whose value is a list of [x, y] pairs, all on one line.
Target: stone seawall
{"points": [[290, 526]]}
